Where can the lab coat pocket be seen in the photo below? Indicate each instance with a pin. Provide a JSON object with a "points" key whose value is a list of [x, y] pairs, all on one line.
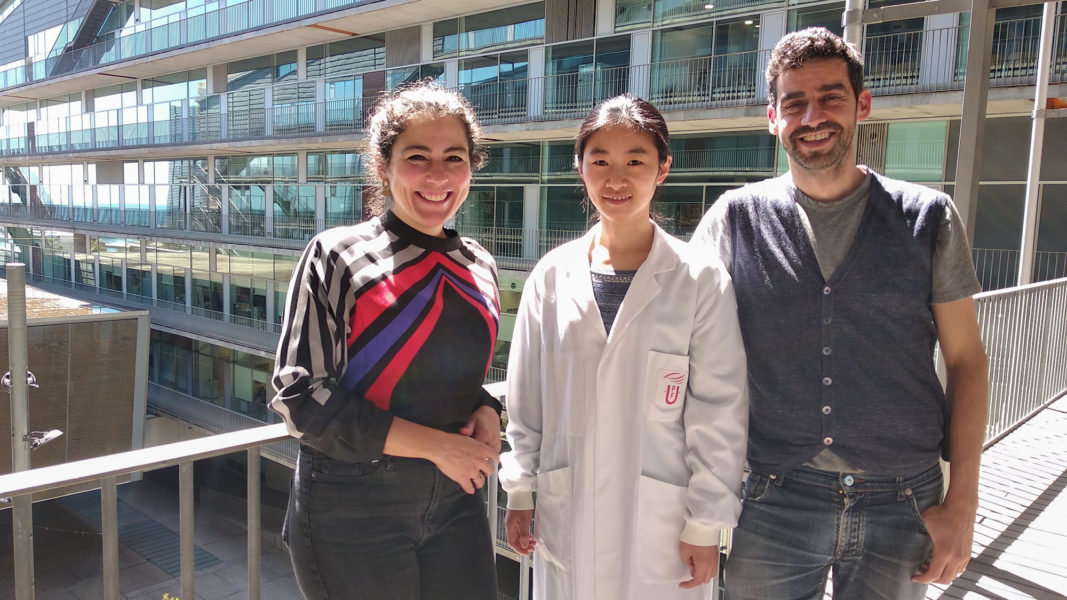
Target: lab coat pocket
{"points": [[552, 517], [660, 520], [666, 381]]}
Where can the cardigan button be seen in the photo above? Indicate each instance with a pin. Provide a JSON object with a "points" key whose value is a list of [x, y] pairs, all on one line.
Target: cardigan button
{"points": [[827, 440], [826, 381], [826, 291]]}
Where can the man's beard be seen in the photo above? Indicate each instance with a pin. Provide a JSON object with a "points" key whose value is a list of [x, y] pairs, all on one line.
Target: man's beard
{"points": [[824, 159]]}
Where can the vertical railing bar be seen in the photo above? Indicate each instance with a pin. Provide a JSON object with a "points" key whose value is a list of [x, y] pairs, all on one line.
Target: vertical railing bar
{"points": [[254, 531], [186, 529], [109, 530], [22, 530]]}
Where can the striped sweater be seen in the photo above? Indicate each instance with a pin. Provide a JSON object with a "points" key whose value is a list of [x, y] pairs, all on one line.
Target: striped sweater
{"points": [[383, 320]]}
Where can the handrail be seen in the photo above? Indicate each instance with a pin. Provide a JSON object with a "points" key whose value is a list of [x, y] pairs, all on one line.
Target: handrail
{"points": [[137, 461]]}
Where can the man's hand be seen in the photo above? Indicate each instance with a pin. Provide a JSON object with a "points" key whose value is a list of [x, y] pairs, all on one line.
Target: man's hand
{"points": [[703, 563], [952, 531], [517, 525], [484, 426]]}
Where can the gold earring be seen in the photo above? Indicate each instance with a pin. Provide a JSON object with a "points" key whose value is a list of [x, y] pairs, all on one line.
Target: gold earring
{"points": [[386, 192]]}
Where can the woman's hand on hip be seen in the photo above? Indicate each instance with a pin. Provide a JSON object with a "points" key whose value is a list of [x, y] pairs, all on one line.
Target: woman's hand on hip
{"points": [[464, 460], [461, 458], [484, 426]]}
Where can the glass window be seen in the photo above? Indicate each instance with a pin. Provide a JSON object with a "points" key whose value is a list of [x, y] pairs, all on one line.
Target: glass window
{"points": [[892, 51], [395, 78], [283, 272], [631, 14], [207, 294], [512, 159], [353, 56], [249, 72], [344, 204], [506, 27], [916, 151], [285, 66], [113, 97], [998, 221], [164, 88], [583, 73], [822, 15], [678, 209], [563, 208], [170, 286]]}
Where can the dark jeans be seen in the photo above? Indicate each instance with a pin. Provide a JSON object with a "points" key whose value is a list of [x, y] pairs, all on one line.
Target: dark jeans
{"points": [[798, 527], [394, 529]]}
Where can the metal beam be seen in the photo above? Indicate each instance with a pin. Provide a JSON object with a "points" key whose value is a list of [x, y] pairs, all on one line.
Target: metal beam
{"points": [[1032, 208], [972, 121], [186, 528], [254, 526], [17, 349], [860, 16]]}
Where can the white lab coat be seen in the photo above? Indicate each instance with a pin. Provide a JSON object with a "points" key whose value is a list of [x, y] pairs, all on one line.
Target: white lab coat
{"points": [[631, 441]]}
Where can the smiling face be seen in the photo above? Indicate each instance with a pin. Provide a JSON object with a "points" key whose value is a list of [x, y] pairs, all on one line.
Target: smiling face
{"points": [[816, 115], [621, 169], [429, 173]]}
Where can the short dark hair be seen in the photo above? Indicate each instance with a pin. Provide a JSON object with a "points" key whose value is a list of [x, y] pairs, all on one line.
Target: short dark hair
{"points": [[421, 100], [797, 48], [629, 111]]}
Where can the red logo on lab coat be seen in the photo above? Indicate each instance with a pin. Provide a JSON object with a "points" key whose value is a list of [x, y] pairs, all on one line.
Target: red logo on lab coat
{"points": [[675, 381]]}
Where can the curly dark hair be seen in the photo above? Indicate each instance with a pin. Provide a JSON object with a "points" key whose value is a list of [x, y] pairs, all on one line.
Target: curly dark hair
{"points": [[797, 48], [421, 100]]}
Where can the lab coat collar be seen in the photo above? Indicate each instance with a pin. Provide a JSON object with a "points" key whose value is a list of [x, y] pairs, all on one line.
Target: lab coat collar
{"points": [[645, 287]]}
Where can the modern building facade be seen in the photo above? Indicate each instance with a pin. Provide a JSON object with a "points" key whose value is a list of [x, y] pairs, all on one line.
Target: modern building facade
{"points": [[176, 155]]}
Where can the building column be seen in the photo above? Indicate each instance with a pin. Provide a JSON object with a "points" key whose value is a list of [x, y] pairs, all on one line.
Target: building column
{"points": [[452, 73], [535, 99], [96, 271], [226, 297], [268, 210], [640, 63], [320, 105], [155, 284], [188, 290], [605, 18], [122, 265], [531, 221], [269, 317], [268, 110], [426, 43], [320, 206], [938, 66], [225, 213], [773, 25]]}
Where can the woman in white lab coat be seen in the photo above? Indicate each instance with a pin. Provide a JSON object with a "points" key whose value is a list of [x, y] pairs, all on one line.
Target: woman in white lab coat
{"points": [[627, 397]]}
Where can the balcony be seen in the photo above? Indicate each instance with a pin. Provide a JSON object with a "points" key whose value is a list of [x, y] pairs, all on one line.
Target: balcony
{"points": [[189, 27], [1024, 330], [901, 63]]}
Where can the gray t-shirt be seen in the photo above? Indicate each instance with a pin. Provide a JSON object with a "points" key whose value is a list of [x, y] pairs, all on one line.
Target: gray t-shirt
{"points": [[831, 227]]}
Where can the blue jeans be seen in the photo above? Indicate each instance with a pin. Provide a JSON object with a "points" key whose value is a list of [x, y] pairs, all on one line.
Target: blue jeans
{"points": [[800, 526], [394, 529]]}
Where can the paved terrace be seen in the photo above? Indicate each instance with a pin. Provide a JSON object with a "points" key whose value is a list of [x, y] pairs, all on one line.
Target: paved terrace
{"points": [[1020, 541]]}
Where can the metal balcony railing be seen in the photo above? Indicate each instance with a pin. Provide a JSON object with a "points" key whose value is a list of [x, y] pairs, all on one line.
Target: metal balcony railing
{"points": [[999, 267], [907, 62], [192, 26], [1024, 330]]}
